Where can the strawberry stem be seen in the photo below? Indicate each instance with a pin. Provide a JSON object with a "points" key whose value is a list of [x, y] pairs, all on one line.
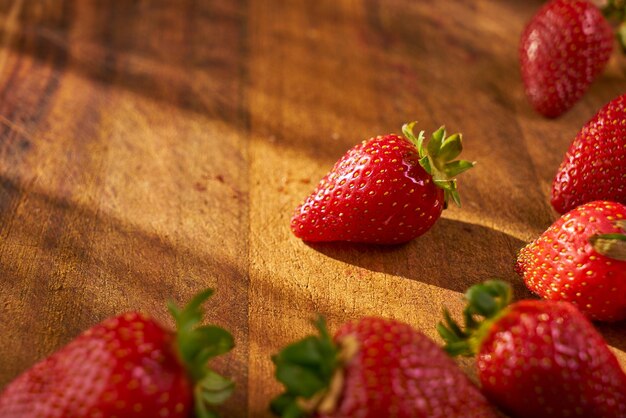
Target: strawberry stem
{"points": [[437, 159], [487, 300], [196, 346]]}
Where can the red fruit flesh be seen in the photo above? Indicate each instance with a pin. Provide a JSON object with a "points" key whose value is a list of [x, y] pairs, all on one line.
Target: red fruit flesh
{"points": [[376, 193], [594, 167], [543, 358], [400, 373], [564, 47], [562, 264], [123, 367]]}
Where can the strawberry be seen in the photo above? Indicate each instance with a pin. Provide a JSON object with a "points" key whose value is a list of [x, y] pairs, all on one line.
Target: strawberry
{"points": [[563, 48], [127, 366], [594, 167], [386, 190], [581, 258], [537, 358], [374, 368]]}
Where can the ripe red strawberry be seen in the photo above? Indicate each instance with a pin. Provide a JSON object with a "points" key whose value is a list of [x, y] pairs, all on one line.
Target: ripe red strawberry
{"points": [[127, 366], [563, 48], [386, 190], [594, 167], [374, 368], [581, 258], [537, 358]]}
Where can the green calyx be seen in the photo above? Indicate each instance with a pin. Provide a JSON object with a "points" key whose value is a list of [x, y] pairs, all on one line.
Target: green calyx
{"points": [[312, 373], [611, 245], [437, 158], [615, 11], [488, 300], [196, 345]]}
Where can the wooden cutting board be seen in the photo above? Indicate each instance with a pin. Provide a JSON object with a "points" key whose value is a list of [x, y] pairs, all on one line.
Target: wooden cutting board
{"points": [[149, 149]]}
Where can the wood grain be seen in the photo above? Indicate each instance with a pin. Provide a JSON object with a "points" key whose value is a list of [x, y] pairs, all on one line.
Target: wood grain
{"points": [[149, 149]]}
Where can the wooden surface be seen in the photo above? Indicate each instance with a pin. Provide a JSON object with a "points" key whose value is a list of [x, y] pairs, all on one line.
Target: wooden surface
{"points": [[149, 149]]}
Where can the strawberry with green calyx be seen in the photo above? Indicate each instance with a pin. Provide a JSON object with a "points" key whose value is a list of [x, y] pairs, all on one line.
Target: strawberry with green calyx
{"points": [[581, 259], [126, 366], [386, 190], [373, 368], [537, 358]]}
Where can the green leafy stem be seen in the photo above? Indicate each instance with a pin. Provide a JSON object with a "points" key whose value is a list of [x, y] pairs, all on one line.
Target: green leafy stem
{"points": [[437, 158], [196, 346]]}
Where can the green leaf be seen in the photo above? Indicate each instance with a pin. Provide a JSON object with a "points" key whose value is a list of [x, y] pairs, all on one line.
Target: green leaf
{"points": [[305, 352], [196, 345], [446, 334], [214, 340], [286, 406], [458, 348], [201, 409], [451, 148], [174, 311], [305, 368], [489, 300], [299, 379], [191, 314], [425, 163], [610, 245], [293, 411], [455, 168], [482, 302], [214, 388], [454, 196], [445, 184], [281, 403], [452, 325], [407, 130], [434, 145]]}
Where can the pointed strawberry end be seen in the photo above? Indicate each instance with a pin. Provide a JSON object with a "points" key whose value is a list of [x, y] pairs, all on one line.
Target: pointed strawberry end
{"points": [[437, 158], [196, 346], [487, 300], [312, 373], [611, 245]]}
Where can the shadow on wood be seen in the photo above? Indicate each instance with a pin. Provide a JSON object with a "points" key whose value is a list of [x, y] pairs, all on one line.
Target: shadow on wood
{"points": [[460, 247]]}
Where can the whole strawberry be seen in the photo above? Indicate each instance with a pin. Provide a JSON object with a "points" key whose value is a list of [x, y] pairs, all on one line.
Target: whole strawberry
{"points": [[594, 167], [563, 48], [374, 368], [386, 190], [581, 258], [127, 366], [537, 358]]}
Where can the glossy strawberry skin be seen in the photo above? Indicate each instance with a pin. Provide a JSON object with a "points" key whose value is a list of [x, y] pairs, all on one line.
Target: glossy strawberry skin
{"points": [[400, 373], [376, 193], [544, 358], [562, 264], [122, 367], [563, 48], [594, 167]]}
